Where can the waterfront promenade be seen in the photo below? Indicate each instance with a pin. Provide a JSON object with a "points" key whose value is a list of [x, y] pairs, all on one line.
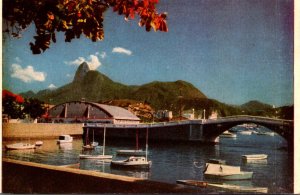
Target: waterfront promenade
{"points": [[27, 177]]}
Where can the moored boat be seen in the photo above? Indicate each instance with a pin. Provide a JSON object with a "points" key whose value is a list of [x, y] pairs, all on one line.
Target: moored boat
{"points": [[132, 162], [236, 188], [19, 146], [64, 139], [227, 134], [254, 157], [196, 183], [225, 172], [39, 143], [246, 132]]}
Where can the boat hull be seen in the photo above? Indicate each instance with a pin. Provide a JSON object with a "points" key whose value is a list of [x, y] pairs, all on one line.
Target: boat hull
{"points": [[125, 165], [235, 188], [196, 183], [238, 176], [19, 146]]}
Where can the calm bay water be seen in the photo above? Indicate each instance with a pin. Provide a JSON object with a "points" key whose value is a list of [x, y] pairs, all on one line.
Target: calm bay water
{"points": [[174, 161]]}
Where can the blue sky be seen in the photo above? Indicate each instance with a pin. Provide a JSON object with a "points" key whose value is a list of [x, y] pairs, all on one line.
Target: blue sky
{"points": [[232, 50]]}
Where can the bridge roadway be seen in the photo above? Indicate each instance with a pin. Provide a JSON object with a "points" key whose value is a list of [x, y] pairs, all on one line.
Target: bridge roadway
{"points": [[206, 131]]}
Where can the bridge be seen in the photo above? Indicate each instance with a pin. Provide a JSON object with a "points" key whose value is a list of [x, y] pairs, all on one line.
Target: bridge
{"points": [[205, 131]]}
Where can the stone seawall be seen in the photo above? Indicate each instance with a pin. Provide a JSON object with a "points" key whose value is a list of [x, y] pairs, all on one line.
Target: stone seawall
{"points": [[27, 177], [39, 130]]}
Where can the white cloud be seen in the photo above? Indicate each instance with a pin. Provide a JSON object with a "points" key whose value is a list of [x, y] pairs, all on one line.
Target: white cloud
{"points": [[92, 61], [27, 74], [121, 50], [103, 55], [52, 86]]}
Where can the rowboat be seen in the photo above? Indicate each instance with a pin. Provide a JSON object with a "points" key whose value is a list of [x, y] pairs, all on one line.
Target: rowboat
{"points": [[19, 146], [225, 172], [254, 156], [236, 188], [196, 183]]}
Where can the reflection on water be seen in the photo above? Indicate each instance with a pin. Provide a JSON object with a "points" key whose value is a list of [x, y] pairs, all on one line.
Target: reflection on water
{"points": [[171, 162], [256, 162]]}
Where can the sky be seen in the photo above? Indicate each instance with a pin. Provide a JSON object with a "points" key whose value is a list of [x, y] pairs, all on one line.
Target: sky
{"points": [[233, 51]]}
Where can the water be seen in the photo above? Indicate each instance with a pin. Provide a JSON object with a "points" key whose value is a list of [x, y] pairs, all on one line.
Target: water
{"points": [[172, 161]]}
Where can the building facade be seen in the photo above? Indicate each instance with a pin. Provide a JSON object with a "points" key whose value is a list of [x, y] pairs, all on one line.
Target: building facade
{"points": [[89, 112]]}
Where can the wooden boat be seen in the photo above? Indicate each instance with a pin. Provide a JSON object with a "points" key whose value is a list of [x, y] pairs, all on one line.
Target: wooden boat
{"points": [[64, 139], [254, 157], [136, 152], [225, 172], [227, 134], [134, 162], [236, 188], [196, 183], [19, 146]]}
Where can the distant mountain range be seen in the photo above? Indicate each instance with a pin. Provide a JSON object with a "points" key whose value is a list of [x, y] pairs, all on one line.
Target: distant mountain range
{"points": [[95, 86]]}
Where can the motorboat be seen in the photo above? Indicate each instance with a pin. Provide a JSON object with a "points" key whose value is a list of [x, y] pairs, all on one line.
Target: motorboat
{"points": [[131, 163], [134, 162], [254, 157], [225, 172], [20, 146], [64, 139], [227, 134], [237, 188]]}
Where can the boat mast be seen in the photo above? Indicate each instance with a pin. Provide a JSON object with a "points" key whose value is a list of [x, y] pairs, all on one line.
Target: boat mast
{"points": [[104, 140], [147, 145], [137, 139]]}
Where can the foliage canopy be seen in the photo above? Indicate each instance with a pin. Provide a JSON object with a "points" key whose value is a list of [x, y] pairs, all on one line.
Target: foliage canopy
{"points": [[74, 18]]}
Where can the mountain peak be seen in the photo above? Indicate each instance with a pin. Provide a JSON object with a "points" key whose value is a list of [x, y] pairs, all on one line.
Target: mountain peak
{"points": [[81, 72]]}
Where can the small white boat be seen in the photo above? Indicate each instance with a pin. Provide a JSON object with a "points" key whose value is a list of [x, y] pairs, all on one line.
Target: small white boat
{"points": [[246, 132], [131, 163], [39, 143], [64, 139], [236, 188], [227, 134], [265, 133], [19, 146], [91, 156], [131, 152], [254, 157], [226, 172]]}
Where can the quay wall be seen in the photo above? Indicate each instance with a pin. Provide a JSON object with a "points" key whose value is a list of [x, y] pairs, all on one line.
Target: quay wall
{"points": [[27, 177], [39, 130]]}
